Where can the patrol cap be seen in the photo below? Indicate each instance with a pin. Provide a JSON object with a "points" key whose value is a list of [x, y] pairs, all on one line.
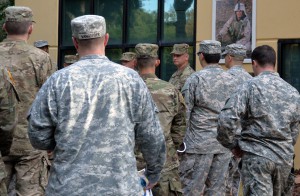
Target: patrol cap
{"points": [[40, 43], [144, 51], [180, 49], [70, 59], [128, 56], [239, 6], [210, 47], [18, 14], [235, 50], [88, 27]]}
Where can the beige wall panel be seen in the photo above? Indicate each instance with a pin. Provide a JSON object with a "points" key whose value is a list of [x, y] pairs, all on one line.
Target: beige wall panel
{"points": [[53, 54], [45, 14], [278, 19]]}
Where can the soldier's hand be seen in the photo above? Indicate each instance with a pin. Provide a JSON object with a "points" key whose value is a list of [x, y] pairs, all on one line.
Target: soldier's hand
{"points": [[150, 185]]}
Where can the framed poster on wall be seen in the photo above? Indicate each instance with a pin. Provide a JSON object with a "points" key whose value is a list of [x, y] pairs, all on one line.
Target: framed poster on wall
{"points": [[234, 21]]}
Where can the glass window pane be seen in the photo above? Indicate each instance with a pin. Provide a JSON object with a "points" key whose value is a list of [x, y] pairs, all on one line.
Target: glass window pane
{"points": [[142, 21], [114, 54], [178, 21], [71, 10], [290, 64], [166, 64], [112, 11]]}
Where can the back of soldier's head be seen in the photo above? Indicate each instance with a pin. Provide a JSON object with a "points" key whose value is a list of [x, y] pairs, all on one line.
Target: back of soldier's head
{"points": [[18, 20], [211, 50], [237, 51], [88, 29], [264, 55], [146, 55]]}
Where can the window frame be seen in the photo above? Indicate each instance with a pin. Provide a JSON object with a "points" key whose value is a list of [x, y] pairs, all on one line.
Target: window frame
{"points": [[124, 46]]}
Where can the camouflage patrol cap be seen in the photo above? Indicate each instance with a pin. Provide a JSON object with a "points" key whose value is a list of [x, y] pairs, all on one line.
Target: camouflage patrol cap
{"points": [[88, 27], [128, 56], [70, 59], [235, 50], [210, 47], [18, 14], [146, 51], [180, 49], [40, 43]]}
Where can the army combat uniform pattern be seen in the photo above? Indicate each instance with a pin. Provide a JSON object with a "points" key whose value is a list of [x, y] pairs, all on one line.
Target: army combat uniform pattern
{"points": [[8, 120], [91, 114], [205, 160], [171, 113], [179, 77], [29, 68], [267, 107]]}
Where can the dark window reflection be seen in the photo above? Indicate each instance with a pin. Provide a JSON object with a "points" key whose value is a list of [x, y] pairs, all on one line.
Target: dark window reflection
{"points": [[142, 21], [71, 10], [290, 64], [178, 20], [112, 11], [113, 54]]}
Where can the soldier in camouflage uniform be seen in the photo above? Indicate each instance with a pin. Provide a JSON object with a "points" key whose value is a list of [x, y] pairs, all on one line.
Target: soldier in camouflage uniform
{"points": [[181, 60], [29, 68], [171, 113], [204, 165], [70, 59], [92, 114], [128, 59], [234, 57], [8, 120], [268, 109], [237, 29], [42, 44]]}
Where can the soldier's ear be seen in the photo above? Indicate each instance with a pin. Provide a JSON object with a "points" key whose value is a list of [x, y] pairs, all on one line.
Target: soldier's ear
{"points": [[75, 42], [3, 27], [157, 62], [106, 38], [30, 29]]}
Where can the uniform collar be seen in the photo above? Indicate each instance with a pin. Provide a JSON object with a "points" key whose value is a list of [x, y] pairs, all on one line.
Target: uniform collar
{"points": [[268, 73], [146, 76], [93, 56], [213, 66]]}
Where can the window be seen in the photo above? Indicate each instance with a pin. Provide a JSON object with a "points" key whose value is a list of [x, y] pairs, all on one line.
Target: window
{"points": [[289, 61], [130, 22]]}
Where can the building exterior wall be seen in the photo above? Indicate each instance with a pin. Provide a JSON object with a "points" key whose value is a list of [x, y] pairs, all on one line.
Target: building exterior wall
{"points": [[275, 19], [46, 26]]}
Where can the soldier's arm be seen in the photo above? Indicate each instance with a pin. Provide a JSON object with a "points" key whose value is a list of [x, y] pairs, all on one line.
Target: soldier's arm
{"points": [[188, 92], [230, 117], [8, 114], [178, 127], [44, 69], [42, 119], [295, 125], [150, 138]]}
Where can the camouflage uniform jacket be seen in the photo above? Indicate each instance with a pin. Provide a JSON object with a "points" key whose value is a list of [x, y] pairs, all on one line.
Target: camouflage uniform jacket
{"points": [[8, 114], [91, 114], [240, 75], [205, 93], [179, 77], [171, 113], [269, 111], [29, 68]]}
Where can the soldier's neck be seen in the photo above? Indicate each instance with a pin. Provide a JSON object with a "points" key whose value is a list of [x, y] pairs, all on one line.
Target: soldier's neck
{"points": [[18, 37], [149, 70]]}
